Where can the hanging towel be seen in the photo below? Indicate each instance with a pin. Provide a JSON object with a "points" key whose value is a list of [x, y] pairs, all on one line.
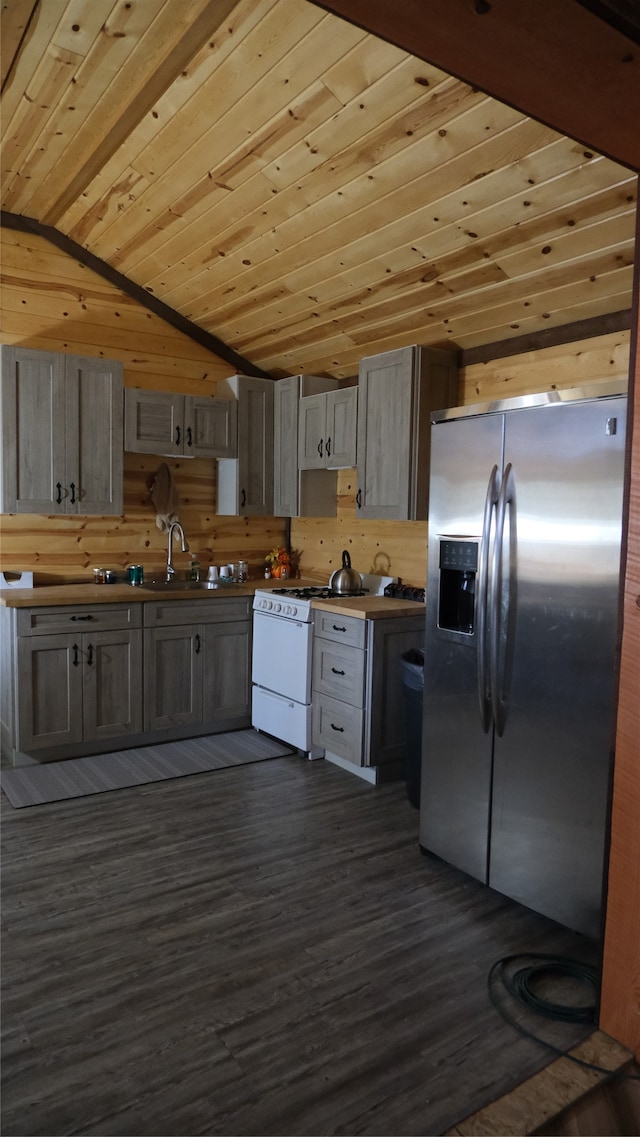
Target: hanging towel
{"points": [[165, 497]]}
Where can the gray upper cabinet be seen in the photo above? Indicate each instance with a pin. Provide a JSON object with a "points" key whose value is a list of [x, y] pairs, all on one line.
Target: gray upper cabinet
{"points": [[61, 428], [327, 430], [191, 426], [301, 489], [245, 483], [397, 392], [285, 447]]}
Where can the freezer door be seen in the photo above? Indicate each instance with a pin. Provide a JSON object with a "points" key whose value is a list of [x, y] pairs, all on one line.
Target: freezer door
{"points": [[456, 751], [552, 762]]}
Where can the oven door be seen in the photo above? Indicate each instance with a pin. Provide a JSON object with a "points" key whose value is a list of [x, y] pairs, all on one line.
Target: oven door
{"points": [[282, 656]]}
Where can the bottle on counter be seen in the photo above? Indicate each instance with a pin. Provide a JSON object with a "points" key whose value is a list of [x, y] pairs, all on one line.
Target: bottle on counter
{"points": [[194, 568]]}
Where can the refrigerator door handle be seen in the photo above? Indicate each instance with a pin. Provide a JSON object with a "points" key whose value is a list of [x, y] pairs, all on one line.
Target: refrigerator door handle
{"points": [[497, 617], [482, 600]]}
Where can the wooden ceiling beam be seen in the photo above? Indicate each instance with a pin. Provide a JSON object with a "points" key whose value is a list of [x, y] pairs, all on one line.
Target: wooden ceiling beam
{"points": [[557, 62], [240, 365], [141, 101]]}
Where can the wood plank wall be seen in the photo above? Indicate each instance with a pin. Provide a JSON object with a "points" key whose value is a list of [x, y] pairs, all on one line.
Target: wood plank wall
{"points": [[52, 302], [400, 548]]}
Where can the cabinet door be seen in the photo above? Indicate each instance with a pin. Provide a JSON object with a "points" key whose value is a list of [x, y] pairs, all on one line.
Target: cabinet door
{"points": [[173, 676], [340, 441], [33, 431], [384, 435], [285, 447], [255, 447], [112, 689], [94, 436], [312, 419], [227, 673], [210, 427], [49, 689], [153, 422]]}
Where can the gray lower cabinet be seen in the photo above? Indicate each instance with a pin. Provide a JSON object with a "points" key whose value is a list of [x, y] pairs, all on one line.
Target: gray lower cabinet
{"points": [[61, 426], [197, 664], [83, 680], [358, 704], [397, 391], [77, 675]]}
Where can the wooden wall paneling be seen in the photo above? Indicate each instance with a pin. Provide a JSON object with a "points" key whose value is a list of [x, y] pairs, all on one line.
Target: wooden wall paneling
{"points": [[68, 548]]}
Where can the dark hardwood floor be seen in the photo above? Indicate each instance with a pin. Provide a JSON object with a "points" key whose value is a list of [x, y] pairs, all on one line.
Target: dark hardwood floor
{"points": [[259, 950]]}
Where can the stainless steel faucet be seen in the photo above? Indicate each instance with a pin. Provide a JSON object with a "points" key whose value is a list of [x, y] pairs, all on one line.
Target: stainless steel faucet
{"points": [[185, 547]]}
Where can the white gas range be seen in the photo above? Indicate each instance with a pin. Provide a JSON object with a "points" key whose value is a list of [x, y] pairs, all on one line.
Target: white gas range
{"points": [[282, 658]]}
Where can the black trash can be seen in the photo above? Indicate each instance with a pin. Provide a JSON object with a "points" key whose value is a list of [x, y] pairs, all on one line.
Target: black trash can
{"points": [[412, 664]]}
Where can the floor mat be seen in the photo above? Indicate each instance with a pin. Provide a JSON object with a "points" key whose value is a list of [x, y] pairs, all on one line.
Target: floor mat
{"points": [[120, 769]]}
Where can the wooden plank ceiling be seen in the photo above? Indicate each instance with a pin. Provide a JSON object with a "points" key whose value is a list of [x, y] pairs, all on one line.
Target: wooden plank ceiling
{"points": [[300, 189]]}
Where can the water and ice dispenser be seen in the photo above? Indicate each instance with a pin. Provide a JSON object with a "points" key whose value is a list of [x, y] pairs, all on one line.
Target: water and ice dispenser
{"points": [[457, 595]]}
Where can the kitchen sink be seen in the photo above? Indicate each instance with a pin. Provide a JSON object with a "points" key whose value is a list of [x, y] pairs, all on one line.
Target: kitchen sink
{"points": [[180, 585]]}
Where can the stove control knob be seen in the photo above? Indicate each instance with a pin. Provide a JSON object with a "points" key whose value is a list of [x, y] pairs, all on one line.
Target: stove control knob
{"points": [[293, 611], [277, 607], [268, 604]]}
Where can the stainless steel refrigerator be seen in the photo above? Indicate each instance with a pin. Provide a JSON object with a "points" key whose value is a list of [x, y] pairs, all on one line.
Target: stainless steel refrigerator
{"points": [[525, 513]]}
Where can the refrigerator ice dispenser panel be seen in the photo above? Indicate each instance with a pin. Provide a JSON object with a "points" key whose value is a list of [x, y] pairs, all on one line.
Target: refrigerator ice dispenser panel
{"points": [[457, 590]]}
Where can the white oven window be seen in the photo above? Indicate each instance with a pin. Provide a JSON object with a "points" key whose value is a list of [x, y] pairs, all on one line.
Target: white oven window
{"points": [[282, 656]]}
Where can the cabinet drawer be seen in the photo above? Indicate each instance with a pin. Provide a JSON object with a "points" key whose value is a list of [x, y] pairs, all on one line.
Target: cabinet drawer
{"points": [[164, 613], [89, 617], [342, 629], [338, 727], [338, 670]]}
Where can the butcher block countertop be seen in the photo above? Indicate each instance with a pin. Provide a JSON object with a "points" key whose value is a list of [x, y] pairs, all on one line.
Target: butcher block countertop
{"points": [[369, 607], [52, 595]]}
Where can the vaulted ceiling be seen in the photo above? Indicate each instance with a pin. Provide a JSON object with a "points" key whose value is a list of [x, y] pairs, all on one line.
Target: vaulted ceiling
{"points": [[298, 188]]}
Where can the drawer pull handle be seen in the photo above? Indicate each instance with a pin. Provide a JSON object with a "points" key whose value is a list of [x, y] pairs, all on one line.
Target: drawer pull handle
{"points": [[336, 672], [328, 447], [73, 493], [337, 629], [75, 655], [243, 499], [178, 436], [359, 499], [320, 448], [89, 617], [197, 644], [340, 729], [189, 437], [59, 489], [90, 655]]}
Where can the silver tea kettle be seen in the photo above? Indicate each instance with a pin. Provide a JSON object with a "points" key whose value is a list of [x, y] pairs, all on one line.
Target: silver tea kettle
{"points": [[345, 581]]}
